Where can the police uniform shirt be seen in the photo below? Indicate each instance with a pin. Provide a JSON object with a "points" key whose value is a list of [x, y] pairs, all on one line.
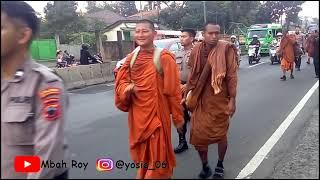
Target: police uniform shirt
{"points": [[182, 58], [33, 108]]}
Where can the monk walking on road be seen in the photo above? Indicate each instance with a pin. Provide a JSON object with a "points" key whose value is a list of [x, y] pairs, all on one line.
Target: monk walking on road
{"points": [[286, 52], [211, 95], [148, 87]]}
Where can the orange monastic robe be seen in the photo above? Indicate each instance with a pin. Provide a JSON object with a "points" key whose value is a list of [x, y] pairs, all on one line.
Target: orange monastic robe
{"points": [[287, 47], [156, 97]]}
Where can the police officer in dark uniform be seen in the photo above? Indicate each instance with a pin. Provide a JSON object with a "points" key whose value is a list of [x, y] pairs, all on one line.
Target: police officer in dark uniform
{"points": [[33, 99]]}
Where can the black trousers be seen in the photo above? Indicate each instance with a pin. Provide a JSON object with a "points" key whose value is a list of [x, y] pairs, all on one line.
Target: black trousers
{"points": [[186, 118], [316, 65], [256, 51], [298, 61], [64, 175]]}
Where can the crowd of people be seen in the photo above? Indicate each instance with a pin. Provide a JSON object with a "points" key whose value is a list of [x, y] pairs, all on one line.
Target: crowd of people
{"points": [[292, 48], [177, 89]]}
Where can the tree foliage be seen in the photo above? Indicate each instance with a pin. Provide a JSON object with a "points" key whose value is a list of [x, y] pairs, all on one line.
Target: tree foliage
{"points": [[190, 14], [127, 8], [61, 17]]}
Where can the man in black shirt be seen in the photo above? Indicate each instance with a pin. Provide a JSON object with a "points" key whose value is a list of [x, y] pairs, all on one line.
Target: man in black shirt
{"points": [[85, 55]]}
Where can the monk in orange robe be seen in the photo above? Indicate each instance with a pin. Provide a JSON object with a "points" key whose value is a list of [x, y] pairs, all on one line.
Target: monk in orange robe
{"points": [[150, 97], [211, 87], [286, 49]]}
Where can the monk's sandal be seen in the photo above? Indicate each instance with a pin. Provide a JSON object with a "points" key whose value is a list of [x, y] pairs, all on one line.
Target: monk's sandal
{"points": [[205, 173], [291, 76], [218, 173], [181, 147]]}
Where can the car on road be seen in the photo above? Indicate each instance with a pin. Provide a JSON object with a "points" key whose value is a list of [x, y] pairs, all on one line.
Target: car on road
{"points": [[172, 44]]}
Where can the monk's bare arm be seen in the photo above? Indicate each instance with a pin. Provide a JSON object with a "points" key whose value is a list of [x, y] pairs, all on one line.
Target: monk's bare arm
{"points": [[231, 76], [171, 78], [121, 82]]}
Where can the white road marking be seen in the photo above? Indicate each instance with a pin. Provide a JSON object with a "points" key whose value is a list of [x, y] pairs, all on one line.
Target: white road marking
{"points": [[254, 163], [256, 64]]}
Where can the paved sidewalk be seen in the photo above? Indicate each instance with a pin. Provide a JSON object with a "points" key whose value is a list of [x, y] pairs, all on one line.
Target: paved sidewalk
{"points": [[303, 161]]}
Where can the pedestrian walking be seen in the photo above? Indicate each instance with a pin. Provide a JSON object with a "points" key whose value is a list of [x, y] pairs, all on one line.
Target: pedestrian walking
{"points": [[298, 49], [148, 87], [310, 45], [33, 99], [234, 41], [211, 95], [182, 58], [286, 52]]}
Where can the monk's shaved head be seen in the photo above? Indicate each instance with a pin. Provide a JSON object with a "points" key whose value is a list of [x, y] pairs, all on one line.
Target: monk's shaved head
{"points": [[146, 21], [211, 33], [145, 33], [216, 26]]}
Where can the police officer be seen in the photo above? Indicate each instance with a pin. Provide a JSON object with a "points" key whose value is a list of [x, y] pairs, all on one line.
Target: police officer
{"points": [[33, 100], [234, 41], [182, 57]]}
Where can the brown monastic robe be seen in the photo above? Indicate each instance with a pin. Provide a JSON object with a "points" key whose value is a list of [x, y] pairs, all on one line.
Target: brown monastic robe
{"points": [[210, 123]]}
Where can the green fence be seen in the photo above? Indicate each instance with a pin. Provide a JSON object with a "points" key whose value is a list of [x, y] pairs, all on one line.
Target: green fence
{"points": [[44, 49]]}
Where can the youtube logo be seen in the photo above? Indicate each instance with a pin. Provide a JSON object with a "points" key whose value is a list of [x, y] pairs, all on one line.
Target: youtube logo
{"points": [[27, 164]]}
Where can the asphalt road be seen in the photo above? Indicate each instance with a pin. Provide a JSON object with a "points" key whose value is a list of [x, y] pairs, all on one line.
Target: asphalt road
{"points": [[96, 129]]}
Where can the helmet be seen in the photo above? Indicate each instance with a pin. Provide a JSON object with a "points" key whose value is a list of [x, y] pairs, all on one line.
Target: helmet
{"points": [[255, 36], [279, 34], [233, 36], [85, 46]]}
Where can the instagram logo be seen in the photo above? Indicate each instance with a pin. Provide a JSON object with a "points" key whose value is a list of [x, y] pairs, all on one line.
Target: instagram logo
{"points": [[104, 164]]}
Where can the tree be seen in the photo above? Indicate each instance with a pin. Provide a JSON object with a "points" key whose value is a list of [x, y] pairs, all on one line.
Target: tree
{"points": [[172, 16], [61, 17], [127, 8], [264, 12], [93, 7], [292, 9], [271, 11]]}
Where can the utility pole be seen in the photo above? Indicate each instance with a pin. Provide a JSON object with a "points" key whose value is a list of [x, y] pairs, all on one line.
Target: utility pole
{"points": [[204, 12], [140, 9]]}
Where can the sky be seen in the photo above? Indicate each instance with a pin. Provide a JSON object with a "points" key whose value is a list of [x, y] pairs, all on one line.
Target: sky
{"points": [[309, 8]]}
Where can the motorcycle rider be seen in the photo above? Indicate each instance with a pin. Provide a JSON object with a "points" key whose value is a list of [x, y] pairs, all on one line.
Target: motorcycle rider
{"points": [[256, 42], [59, 59], [85, 55]]}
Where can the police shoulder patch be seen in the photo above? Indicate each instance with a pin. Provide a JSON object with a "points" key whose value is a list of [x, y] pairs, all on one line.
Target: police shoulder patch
{"points": [[51, 108]]}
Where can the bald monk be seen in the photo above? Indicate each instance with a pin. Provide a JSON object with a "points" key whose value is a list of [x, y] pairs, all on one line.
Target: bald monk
{"points": [[150, 97], [211, 90], [286, 52]]}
